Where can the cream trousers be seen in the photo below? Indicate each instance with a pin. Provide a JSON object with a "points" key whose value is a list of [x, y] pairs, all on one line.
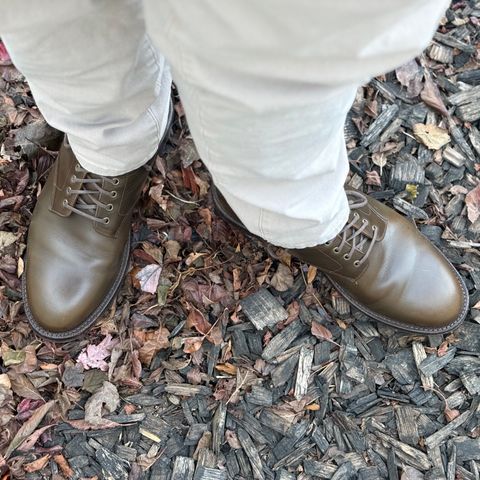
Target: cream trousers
{"points": [[266, 85]]}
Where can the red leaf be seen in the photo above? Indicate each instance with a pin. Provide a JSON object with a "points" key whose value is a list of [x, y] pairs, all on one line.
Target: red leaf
{"points": [[4, 55]]}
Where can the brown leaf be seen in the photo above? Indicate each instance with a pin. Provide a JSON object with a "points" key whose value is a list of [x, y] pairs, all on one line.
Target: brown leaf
{"points": [[105, 398], [451, 414], [227, 368], [148, 277], [64, 466], [431, 136], [28, 427], [84, 425], [154, 342], [32, 439], [282, 279], [472, 200], [23, 387], [172, 247], [373, 178], [321, 332], [197, 320], [410, 76], [431, 96], [192, 344], [37, 464], [232, 439], [155, 192], [311, 274]]}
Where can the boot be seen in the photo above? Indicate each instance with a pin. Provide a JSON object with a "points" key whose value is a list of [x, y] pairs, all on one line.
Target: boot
{"points": [[78, 246], [385, 267]]}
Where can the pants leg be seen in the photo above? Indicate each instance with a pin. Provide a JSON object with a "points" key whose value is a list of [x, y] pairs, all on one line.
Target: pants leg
{"points": [[94, 75], [266, 86]]}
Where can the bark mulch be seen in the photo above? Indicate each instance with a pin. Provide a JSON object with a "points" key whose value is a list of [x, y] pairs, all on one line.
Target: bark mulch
{"points": [[223, 359]]}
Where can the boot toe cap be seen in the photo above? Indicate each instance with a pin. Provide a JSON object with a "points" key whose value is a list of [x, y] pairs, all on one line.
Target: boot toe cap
{"points": [[60, 305]]}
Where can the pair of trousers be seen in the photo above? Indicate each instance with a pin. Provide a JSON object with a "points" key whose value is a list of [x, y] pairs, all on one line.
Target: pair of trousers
{"points": [[265, 85]]}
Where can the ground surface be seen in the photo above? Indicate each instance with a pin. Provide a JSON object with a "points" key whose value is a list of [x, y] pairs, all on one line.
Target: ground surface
{"points": [[180, 384]]}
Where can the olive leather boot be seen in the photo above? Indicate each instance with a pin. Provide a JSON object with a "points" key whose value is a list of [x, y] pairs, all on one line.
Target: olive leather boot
{"points": [[385, 267], [78, 246]]}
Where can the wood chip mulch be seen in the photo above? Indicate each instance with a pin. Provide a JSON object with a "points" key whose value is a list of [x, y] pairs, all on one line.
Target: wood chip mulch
{"points": [[224, 359]]}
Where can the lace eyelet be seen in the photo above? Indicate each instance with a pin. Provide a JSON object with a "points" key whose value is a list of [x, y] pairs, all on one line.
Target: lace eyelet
{"points": [[106, 220], [356, 263], [113, 193], [109, 207], [346, 256], [336, 250], [327, 243], [68, 191], [364, 220], [374, 228], [78, 167], [115, 181], [73, 179], [65, 203]]}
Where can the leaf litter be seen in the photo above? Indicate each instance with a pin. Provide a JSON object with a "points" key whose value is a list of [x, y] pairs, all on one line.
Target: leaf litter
{"points": [[176, 377]]}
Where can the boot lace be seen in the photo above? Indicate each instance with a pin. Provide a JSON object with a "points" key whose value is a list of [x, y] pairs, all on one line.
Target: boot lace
{"points": [[88, 194], [352, 235]]}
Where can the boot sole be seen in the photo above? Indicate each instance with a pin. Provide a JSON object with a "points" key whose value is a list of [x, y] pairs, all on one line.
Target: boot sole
{"points": [[68, 335], [380, 318], [401, 326]]}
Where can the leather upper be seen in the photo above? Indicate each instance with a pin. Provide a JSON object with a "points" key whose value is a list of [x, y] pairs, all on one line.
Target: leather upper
{"points": [[405, 281], [72, 262]]}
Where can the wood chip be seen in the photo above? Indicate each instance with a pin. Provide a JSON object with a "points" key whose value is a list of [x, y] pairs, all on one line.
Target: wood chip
{"points": [[263, 309]]}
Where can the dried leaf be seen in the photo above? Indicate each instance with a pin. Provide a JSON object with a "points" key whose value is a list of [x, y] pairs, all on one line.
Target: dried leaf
{"points": [[37, 464], [451, 414], [321, 332], [192, 344], [431, 136], [33, 438], [28, 427], [12, 357], [197, 320], [148, 277], [106, 397], [373, 178], [93, 356], [379, 159], [282, 279], [431, 96], [410, 76], [64, 466], [7, 239], [23, 387], [4, 55], [227, 368], [311, 274], [472, 200], [153, 343], [172, 248], [232, 439], [84, 425], [155, 192]]}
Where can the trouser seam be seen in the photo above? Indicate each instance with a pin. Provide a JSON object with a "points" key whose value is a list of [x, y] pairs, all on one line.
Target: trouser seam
{"points": [[158, 81]]}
